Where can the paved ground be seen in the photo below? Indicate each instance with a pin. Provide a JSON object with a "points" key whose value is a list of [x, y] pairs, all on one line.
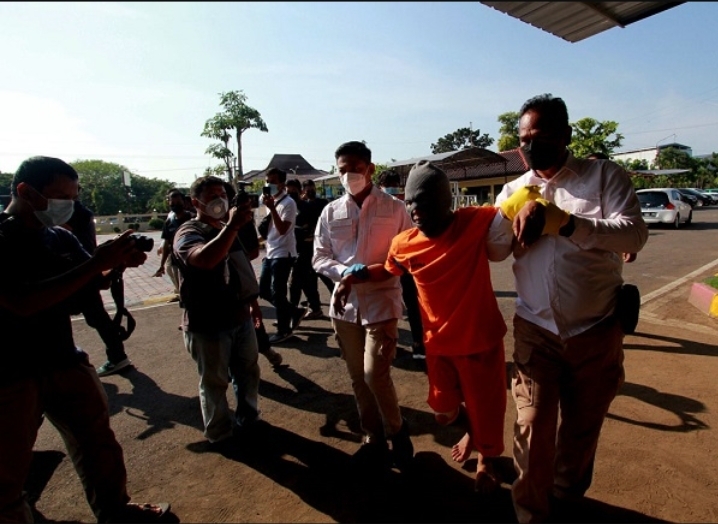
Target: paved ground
{"points": [[657, 458]]}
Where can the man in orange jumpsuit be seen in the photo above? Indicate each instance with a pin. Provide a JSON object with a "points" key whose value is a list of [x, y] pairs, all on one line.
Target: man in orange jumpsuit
{"points": [[448, 255]]}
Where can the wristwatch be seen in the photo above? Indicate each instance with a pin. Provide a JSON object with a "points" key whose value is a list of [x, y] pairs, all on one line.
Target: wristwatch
{"points": [[569, 228]]}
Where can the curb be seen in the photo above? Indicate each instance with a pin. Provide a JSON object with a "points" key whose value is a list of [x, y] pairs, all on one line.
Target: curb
{"points": [[705, 298], [151, 301]]}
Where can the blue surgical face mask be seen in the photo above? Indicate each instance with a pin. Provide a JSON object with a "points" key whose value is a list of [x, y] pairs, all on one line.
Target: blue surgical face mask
{"points": [[392, 190], [274, 188]]}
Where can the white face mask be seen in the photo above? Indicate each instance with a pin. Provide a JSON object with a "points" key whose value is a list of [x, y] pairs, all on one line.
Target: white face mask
{"points": [[216, 208], [58, 212], [353, 183]]}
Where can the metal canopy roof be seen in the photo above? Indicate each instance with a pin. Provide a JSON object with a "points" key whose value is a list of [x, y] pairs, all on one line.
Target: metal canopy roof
{"points": [[576, 21], [471, 155], [659, 172]]}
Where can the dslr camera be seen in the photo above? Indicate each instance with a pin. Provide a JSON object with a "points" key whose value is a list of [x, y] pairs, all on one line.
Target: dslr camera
{"points": [[143, 242]]}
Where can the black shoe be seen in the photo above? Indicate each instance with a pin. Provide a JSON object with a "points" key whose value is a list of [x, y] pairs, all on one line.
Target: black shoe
{"points": [[372, 456], [314, 315], [402, 449], [280, 337], [417, 351], [297, 317], [110, 368]]}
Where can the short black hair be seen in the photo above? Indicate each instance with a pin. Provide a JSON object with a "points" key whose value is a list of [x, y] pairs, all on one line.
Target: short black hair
{"points": [[41, 171], [281, 174], [294, 182], [308, 183], [174, 191], [389, 178], [199, 185], [552, 109], [598, 155], [354, 148]]}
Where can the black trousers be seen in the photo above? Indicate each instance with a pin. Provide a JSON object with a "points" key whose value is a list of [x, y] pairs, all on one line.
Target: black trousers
{"points": [[97, 318]]}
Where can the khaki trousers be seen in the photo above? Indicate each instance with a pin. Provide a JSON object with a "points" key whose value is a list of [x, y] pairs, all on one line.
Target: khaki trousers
{"points": [[368, 352], [579, 377]]}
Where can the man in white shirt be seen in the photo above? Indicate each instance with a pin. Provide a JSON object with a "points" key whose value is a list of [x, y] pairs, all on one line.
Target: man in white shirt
{"points": [[281, 253], [568, 345], [354, 232]]}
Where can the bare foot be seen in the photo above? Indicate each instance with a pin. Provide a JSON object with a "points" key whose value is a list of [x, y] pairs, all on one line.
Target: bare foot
{"points": [[486, 481], [462, 449]]}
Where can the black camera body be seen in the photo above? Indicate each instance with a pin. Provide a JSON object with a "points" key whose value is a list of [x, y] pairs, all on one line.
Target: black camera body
{"points": [[143, 242]]}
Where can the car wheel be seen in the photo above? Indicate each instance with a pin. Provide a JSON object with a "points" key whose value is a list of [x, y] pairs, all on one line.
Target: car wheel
{"points": [[690, 218], [677, 221]]}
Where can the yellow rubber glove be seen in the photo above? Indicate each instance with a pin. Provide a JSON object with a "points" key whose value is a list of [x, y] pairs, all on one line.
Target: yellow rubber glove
{"points": [[512, 205], [556, 217]]}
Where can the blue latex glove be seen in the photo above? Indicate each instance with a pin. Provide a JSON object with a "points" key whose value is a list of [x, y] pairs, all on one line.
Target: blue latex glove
{"points": [[358, 270]]}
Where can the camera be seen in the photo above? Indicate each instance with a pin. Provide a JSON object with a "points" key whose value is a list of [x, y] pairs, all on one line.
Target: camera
{"points": [[241, 198], [143, 242], [266, 190]]}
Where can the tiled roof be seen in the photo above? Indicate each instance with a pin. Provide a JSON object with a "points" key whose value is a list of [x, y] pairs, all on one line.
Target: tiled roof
{"points": [[295, 166], [515, 165]]}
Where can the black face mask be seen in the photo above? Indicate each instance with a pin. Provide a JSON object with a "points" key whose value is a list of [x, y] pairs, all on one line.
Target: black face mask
{"points": [[540, 155], [177, 208]]}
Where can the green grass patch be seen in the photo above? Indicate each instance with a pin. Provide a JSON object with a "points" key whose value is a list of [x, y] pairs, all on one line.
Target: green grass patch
{"points": [[712, 281]]}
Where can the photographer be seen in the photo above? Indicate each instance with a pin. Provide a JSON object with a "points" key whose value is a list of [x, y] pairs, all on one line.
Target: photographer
{"points": [[43, 271], [219, 291]]}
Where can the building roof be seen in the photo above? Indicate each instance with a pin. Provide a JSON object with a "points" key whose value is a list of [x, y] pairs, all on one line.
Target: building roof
{"points": [[658, 172], [576, 21], [469, 164], [295, 166], [654, 148]]}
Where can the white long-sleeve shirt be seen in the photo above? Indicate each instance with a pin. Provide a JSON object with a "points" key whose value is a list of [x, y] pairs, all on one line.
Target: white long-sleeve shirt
{"points": [[567, 285], [346, 234]]}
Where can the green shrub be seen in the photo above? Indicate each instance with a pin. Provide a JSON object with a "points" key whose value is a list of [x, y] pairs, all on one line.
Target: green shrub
{"points": [[134, 225], [116, 229], [156, 223], [712, 281]]}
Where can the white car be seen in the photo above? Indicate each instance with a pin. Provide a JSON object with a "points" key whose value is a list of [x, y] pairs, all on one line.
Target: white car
{"points": [[664, 205]]}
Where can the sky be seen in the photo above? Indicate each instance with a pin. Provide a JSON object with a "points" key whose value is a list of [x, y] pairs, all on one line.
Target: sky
{"points": [[134, 83]]}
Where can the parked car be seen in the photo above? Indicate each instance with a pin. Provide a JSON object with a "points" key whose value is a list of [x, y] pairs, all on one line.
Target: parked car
{"points": [[703, 200], [689, 199], [664, 205], [713, 198]]}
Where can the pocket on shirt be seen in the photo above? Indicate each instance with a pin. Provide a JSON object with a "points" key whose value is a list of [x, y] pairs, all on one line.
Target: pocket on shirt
{"points": [[583, 205], [340, 234]]}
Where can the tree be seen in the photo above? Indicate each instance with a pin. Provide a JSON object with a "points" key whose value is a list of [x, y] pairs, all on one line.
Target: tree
{"points": [[509, 130], [672, 158], [462, 138], [236, 117], [591, 136], [104, 193], [633, 164], [5, 182]]}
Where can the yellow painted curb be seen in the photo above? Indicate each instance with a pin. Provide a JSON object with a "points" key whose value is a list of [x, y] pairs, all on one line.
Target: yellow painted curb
{"points": [[714, 307]]}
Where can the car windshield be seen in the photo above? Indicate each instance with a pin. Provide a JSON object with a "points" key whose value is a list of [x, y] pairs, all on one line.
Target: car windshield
{"points": [[653, 199]]}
